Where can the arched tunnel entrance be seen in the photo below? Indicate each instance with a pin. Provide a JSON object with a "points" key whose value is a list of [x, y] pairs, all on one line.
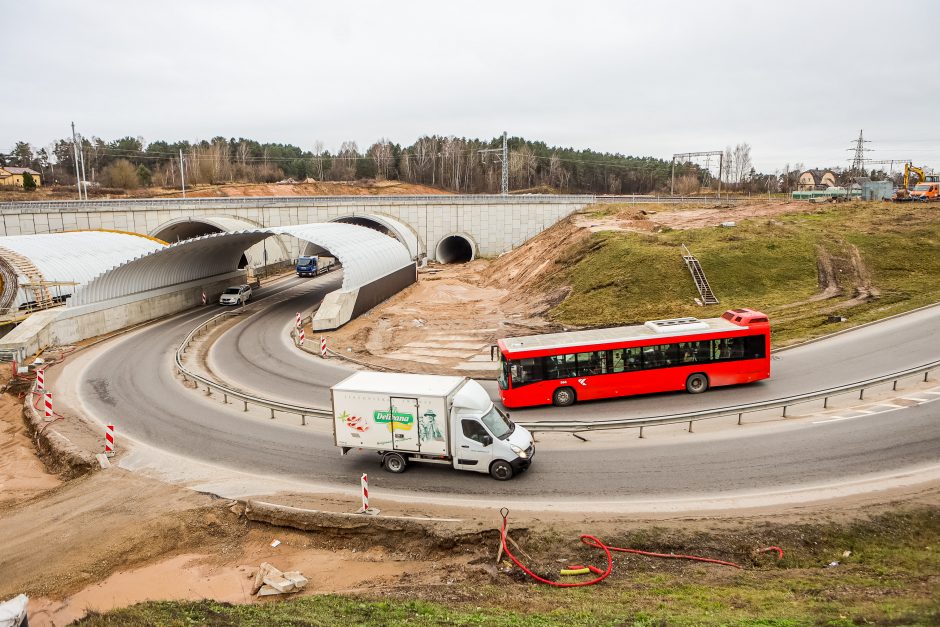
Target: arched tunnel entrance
{"points": [[369, 224], [389, 226], [454, 249], [182, 230]]}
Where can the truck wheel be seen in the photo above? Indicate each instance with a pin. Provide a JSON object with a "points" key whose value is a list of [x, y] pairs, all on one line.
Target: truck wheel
{"points": [[501, 470], [394, 462], [563, 397], [696, 383]]}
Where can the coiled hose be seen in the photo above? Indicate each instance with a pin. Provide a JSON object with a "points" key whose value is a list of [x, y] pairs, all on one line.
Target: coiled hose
{"points": [[592, 541]]}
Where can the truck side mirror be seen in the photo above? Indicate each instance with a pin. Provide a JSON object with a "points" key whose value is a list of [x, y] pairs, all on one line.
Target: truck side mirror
{"points": [[487, 440]]}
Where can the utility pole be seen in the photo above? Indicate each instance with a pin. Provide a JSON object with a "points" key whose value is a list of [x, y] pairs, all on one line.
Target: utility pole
{"points": [[504, 158], [78, 179], [81, 157], [686, 157], [182, 173]]}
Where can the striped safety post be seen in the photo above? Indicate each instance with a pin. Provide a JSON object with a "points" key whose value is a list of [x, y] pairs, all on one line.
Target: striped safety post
{"points": [[365, 509], [322, 347], [203, 297], [302, 337], [48, 401], [109, 440], [40, 379], [298, 324]]}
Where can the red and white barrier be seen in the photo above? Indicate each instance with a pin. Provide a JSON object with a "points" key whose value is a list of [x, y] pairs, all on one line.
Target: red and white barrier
{"points": [[298, 324], [365, 509], [48, 401], [322, 347], [203, 297], [14, 367], [302, 337], [40, 379], [109, 440]]}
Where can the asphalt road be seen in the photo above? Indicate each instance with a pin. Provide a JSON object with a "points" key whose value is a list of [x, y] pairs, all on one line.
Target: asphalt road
{"points": [[155, 409]]}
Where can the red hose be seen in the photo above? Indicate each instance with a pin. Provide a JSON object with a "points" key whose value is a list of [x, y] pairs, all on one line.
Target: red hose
{"points": [[586, 539], [592, 541]]}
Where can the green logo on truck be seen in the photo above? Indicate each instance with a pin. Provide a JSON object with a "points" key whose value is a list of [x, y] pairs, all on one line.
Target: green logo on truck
{"points": [[394, 419]]}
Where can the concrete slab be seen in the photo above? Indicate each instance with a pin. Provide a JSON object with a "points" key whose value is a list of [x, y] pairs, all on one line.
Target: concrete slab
{"points": [[476, 366], [410, 357], [473, 346]]}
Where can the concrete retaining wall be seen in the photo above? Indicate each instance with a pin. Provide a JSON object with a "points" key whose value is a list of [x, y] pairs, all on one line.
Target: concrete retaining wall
{"points": [[68, 325], [341, 306], [496, 223]]}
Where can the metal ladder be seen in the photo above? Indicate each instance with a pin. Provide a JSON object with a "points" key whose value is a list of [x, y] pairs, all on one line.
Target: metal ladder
{"points": [[698, 275]]}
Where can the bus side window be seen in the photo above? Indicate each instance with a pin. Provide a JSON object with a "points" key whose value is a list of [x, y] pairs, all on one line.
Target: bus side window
{"points": [[617, 360], [591, 363], [562, 366]]}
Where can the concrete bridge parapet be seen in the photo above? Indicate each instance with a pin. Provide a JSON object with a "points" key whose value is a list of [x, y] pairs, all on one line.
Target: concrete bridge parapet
{"points": [[495, 224]]}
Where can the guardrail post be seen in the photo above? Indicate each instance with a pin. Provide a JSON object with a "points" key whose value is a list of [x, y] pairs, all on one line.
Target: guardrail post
{"points": [[225, 398], [894, 386], [826, 403], [739, 417], [303, 420], [208, 390], [861, 394], [690, 426], [641, 431], [784, 412], [272, 413], [926, 374], [246, 405]]}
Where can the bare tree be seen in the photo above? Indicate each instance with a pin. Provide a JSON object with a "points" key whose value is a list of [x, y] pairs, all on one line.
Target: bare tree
{"points": [[318, 159], [742, 162], [381, 154]]}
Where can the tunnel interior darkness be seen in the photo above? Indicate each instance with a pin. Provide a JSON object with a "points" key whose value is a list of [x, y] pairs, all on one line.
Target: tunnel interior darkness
{"points": [[190, 229], [369, 224], [454, 249]]}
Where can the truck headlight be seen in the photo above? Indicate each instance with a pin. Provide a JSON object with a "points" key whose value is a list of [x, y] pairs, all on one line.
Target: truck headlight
{"points": [[518, 451]]}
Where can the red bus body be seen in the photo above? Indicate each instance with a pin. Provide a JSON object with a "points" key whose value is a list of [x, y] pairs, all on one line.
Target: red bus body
{"points": [[659, 356]]}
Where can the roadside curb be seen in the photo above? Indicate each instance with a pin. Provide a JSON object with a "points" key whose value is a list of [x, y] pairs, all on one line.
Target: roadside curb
{"points": [[56, 450], [318, 520], [855, 328]]}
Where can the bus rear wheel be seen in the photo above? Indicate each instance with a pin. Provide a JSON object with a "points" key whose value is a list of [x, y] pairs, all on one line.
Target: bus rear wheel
{"points": [[563, 397], [696, 383]]}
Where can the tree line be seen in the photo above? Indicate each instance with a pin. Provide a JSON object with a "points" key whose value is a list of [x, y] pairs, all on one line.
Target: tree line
{"points": [[452, 163]]}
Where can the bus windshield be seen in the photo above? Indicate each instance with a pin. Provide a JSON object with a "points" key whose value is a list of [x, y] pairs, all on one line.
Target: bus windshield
{"points": [[503, 377]]}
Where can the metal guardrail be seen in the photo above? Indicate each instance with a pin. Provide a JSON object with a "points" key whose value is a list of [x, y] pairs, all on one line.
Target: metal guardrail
{"points": [[639, 199], [571, 426], [227, 391], [575, 426]]}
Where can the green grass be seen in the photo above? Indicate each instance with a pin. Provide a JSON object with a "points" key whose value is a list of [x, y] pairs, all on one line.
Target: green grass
{"points": [[767, 264], [891, 577]]}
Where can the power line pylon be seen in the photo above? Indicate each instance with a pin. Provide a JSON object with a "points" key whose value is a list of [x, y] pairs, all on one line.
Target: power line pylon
{"points": [[858, 162]]}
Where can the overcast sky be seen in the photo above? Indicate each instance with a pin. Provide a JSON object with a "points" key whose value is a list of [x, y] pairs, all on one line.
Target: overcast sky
{"points": [[796, 80]]}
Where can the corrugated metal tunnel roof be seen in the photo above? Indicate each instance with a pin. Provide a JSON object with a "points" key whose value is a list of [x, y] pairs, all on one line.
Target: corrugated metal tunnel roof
{"points": [[366, 255], [70, 257]]}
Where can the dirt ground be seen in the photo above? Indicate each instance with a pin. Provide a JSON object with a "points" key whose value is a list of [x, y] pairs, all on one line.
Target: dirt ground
{"points": [[450, 318], [324, 188]]}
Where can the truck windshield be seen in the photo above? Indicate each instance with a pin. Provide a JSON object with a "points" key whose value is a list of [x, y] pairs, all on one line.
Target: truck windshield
{"points": [[306, 261], [921, 188], [498, 424]]}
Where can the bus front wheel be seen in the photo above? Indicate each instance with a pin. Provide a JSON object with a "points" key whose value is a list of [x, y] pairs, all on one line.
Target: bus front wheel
{"points": [[563, 397], [696, 383]]}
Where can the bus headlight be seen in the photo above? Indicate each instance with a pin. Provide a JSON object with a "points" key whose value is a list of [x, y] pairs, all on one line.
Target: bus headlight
{"points": [[518, 451]]}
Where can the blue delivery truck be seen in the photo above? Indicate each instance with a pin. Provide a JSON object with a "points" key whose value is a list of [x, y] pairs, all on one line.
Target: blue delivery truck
{"points": [[307, 266]]}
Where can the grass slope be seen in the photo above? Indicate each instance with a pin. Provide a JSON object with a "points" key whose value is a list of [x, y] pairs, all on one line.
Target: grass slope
{"points": [[768, 264]]}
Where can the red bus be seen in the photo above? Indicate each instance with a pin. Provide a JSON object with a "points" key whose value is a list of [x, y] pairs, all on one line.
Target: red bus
{"points": [[658, 356]]}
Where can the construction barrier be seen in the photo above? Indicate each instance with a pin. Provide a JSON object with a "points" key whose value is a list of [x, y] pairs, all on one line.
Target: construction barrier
{"points": [[40, 379], [109, 440], [322, 347], [48, 401], [302, 337], [365, 509], [203, 297], [298, 323]]}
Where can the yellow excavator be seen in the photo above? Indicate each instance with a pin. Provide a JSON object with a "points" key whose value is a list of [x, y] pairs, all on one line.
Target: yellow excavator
{"points": [[927, 187]]}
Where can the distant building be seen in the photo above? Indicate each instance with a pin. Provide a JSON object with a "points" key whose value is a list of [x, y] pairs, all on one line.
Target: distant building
{"points": [[11, 176], [816, 179]]}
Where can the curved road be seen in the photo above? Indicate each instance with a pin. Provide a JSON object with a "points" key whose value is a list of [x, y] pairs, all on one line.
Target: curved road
{"points": [[156, 410]]}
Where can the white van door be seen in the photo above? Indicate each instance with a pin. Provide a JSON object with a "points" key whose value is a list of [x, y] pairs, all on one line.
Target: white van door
{"points": [[474, 449], [403, 422]]}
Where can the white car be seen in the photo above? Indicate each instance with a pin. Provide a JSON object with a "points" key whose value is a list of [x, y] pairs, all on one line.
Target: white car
{"points": [[237, 295]]}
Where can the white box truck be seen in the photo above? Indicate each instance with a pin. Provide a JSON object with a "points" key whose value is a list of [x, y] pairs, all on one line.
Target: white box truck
{"points": [[428, 418]]}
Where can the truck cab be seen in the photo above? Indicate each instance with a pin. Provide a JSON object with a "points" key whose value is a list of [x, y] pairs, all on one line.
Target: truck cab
{"points": [[307, 265], [926, 191]]}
